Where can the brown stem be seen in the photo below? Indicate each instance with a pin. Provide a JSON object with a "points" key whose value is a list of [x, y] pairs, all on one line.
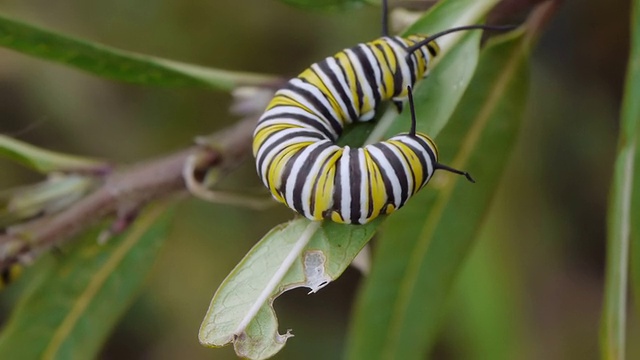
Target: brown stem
{"points": [[129, 188]]}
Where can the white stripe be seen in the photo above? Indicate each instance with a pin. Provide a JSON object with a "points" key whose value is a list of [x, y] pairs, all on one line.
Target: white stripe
{"points": [[345, 183], [401, 64], [295, 173], [405, 169], [314, 174], [327, 81], [337, 70], [268, 157], [384, 163], [360, 77], [317, 94], [364, 193], [376, 70]]}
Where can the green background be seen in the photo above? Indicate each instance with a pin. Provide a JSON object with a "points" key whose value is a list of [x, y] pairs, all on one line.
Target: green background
{"points": [[536, 274]]}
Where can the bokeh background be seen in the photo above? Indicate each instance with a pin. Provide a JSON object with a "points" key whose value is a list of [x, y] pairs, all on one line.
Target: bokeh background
{"points": [[532, 287]]}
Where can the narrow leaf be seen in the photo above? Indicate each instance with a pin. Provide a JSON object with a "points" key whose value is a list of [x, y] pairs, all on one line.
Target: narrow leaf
{"points": [[437, 96], [422, 248], [71, 313], [624, 201], [117, 64], [46, 161]]}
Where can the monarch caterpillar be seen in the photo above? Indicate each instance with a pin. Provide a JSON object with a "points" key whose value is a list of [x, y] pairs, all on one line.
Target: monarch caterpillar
{"points": [[294, 141]]}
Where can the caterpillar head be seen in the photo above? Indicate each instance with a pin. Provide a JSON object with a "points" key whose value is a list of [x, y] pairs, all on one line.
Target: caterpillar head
{"points": [[424, 53], [427, 46]]}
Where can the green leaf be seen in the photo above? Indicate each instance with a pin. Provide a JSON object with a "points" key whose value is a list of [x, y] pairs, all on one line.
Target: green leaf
{"points": [[217, 330], [46, 161], [422, 248], [295, 254], [325, 4], [44, 198], [624, 208], [437, 96], [117, 64], [71, 313], [488, 301]]}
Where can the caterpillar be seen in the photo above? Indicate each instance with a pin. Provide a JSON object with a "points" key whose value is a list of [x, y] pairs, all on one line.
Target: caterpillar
{"points": [[294, 142]]}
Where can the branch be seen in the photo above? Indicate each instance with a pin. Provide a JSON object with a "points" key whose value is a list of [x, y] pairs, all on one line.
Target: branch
{"points": [[127, 190]]}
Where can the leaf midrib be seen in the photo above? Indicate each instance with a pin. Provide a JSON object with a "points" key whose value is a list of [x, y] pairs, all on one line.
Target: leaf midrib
{"points": [[407, 283], [69, 322]]}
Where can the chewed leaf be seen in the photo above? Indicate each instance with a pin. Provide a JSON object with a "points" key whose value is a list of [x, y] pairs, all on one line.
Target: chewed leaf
{"points": [[296, 254], [46, 161]]}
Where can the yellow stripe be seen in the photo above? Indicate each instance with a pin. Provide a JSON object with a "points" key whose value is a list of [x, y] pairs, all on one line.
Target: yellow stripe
{"points": [[262, 135], [431, 143], [352, 79], [315, 80], [325, 185], [283, 100], [387, 75], [378, 191], [277, 164], [414, 164]]}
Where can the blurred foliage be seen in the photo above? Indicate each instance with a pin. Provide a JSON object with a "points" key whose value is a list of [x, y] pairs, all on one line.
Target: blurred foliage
{"points": [[532, 287], [85, 293]]}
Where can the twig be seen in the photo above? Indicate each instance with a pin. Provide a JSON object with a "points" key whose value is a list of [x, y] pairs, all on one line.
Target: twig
{"points": [[128, 188]]}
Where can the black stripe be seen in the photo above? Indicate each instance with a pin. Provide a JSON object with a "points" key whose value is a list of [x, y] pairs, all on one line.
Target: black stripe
{"points": [[398, 86], [325, 113], [398, 169], [346, 98], [406, 158], [269, 148], [323, 169], [310, 121], [370, 187], [432, 50], [286, 174], [432, 157], [356, 180], [302, 175], [386, 181], [369, 74], [337, 190], [359, 92], [387, 66], [408, 60], [423, 161], [380, 88], [427, 148]]}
